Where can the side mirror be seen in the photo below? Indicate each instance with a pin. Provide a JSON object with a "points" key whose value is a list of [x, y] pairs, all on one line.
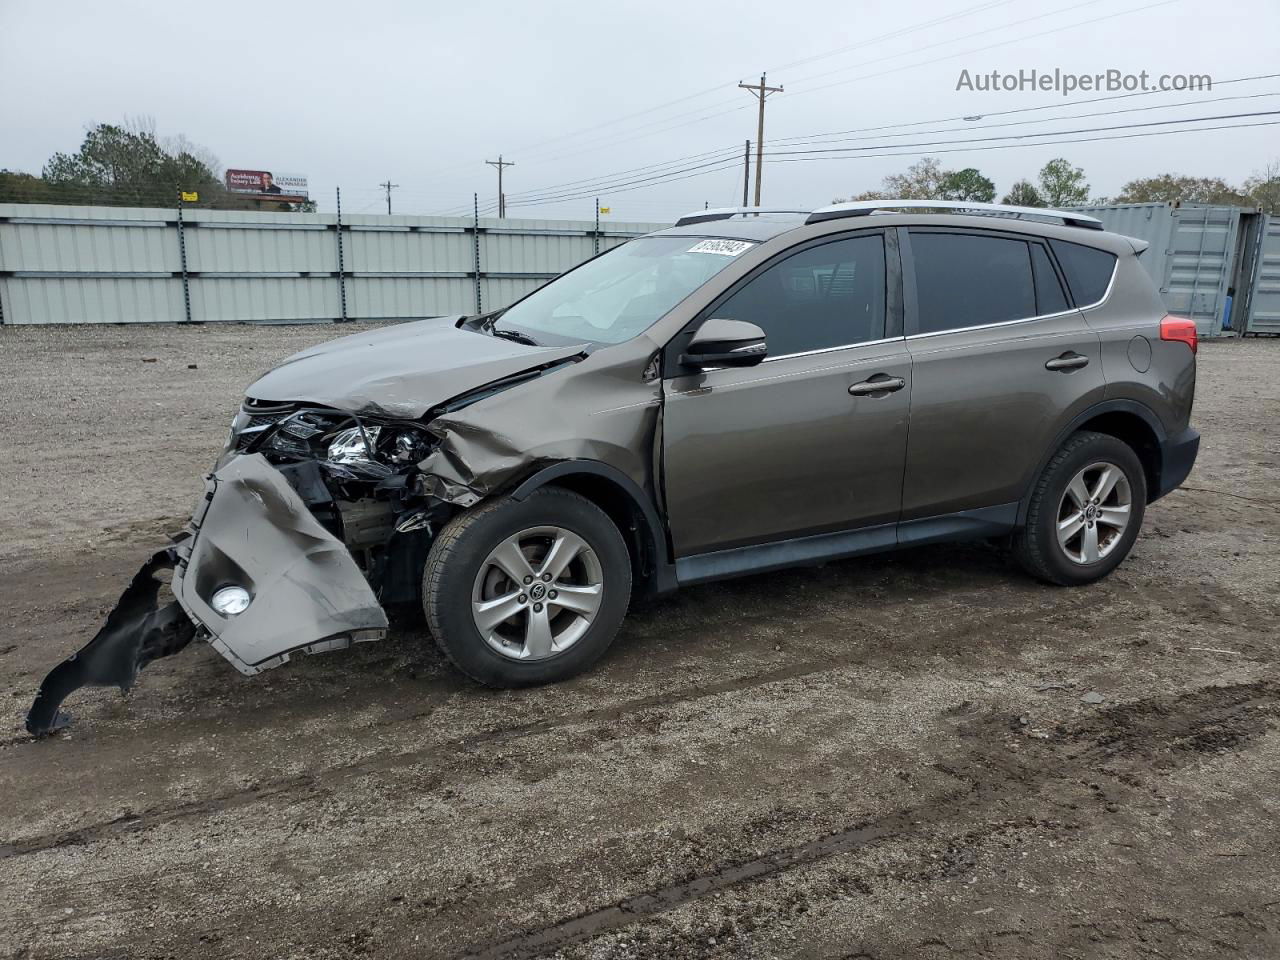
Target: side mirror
{"points": [[725, 343]]}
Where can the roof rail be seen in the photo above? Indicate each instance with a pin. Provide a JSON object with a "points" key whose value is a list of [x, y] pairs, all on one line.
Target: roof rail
{"points": [[725, 213], [861, 208]]}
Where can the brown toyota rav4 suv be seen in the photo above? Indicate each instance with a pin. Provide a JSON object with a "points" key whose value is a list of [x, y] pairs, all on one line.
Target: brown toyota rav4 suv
{"points": [[745, 391]]}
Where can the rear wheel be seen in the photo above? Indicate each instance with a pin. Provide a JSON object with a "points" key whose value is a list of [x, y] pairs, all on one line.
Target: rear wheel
{"points": [[525, 592], [1085, 512]]}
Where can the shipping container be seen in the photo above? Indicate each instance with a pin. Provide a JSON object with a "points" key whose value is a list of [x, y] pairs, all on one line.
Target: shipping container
{"points": [[1203, 257]]}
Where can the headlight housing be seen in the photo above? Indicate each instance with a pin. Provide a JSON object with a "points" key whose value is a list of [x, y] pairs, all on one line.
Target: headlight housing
{"points": [[354, 445]]}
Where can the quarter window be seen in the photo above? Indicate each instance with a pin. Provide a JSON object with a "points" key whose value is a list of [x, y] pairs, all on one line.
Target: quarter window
{"points": [[831, 295], [963, 280], [1087, 269]]}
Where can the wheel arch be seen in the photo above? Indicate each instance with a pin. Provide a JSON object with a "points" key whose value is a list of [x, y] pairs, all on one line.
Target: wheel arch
{"points": [[625, 503], [1133, 423]]}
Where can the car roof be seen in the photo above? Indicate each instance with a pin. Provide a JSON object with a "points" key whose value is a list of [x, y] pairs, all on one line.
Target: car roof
{"points": [[744, 223]]}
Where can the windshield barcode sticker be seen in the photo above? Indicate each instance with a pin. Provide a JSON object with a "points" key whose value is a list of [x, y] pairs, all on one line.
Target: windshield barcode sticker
{"points": [[726, 248]]}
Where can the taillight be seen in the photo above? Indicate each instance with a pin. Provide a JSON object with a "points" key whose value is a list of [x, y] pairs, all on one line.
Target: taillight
{"points": [[1179, 329]]}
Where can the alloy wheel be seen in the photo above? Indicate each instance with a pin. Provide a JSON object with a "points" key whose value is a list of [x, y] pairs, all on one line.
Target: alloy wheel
{"points": [[537, 593], [1094, 512]]}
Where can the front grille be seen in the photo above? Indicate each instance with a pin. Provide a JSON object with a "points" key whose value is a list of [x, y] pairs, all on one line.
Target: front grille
{"points": [[253, 429]]}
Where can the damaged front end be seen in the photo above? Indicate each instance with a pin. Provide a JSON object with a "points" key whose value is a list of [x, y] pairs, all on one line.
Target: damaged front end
{"points": [[308, 525], [321, 511]]}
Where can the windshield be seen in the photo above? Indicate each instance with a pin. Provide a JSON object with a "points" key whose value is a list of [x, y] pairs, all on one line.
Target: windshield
{"points": [[621, 294]]}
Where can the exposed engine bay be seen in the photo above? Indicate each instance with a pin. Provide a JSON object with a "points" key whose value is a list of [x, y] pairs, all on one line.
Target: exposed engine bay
{"points": [[359, 479]]}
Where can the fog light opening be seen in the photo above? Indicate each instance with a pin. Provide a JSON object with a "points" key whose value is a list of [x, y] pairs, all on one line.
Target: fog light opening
{"points": [[229, 601]]}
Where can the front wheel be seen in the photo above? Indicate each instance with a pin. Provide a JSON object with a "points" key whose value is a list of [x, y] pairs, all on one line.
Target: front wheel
{"points": [[524, 592], [1085, 511]]}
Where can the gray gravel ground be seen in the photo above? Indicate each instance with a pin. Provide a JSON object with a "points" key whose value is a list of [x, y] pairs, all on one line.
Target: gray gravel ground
{"points": [[887, 757]]}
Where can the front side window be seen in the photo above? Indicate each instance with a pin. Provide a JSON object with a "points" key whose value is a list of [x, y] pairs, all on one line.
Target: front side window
{"points": [[965, 280], [831, 295], [621, 294]]}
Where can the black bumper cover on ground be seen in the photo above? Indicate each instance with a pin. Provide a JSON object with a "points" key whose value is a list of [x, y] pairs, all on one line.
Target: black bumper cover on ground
{"points": [[136, 632]]}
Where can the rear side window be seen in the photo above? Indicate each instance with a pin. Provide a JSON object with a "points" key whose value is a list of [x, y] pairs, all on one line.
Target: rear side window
{"points": [[1049, 295], [1088, 270], [965, 280], [831, 295]]}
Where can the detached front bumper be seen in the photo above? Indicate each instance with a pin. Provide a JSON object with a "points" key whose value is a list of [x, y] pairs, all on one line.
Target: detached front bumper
{"points": [[250, 530], [306, 592]]}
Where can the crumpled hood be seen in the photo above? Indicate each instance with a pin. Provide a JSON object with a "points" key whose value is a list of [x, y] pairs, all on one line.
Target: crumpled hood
{"points": [[400, 371]]}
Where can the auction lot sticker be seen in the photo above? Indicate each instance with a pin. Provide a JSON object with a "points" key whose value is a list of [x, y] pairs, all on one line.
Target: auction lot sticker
{"points": [[725, 248]]}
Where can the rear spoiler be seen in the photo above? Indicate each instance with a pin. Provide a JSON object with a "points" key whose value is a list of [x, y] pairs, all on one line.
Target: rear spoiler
{"points": [[1139, 246]]}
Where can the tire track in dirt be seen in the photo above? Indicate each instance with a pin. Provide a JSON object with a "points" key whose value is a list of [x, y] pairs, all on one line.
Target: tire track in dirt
{"points": [[1207, 719], [307, 783]]}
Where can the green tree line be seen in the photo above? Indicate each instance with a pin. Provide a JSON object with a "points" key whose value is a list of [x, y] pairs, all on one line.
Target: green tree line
{"points": [[128, 165], [1061, 184]]}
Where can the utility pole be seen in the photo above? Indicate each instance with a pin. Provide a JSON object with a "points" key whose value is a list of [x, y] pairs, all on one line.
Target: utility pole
{"points": [[388, 186], [502, 197], [760, 92], [746, 171]]}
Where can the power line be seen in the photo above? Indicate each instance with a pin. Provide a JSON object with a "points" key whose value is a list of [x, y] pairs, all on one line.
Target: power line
{"points": [[1018, 123], [1005, 113], [1003, 43], [968, 36], [644, 168], [894, 34], [531, 149], [935, 60], [606, 188], [1043, 143], [608, 181], [960, 146], [566, 193], [1025, 136]]}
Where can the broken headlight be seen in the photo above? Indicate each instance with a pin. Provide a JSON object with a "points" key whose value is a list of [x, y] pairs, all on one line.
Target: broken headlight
{"points": [[354, 445], [408, 446], [294, 434]]}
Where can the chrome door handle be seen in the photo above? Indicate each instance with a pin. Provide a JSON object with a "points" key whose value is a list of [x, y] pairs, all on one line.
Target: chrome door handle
{"points": [[874, 386], [1068, 361]]}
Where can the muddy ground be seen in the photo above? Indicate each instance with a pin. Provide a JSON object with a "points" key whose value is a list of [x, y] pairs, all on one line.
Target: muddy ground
{"points": [[887, 757]]}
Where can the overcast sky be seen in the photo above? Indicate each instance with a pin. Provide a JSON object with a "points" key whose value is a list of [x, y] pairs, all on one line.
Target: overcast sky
{"points": [[425, 92]]}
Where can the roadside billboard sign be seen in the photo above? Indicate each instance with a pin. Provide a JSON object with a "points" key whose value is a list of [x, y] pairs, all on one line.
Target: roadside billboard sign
{"points": [[266, 184]]}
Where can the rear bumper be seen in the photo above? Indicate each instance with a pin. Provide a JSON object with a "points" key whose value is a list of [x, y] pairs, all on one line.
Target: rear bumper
{"points": [[1178, 456]]}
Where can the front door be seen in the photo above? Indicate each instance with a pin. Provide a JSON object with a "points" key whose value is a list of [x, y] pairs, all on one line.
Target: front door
{"points": [[799, 444]]}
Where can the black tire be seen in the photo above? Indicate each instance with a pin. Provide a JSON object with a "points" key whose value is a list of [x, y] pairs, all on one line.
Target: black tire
{"points": [[454, 564], [1036, 547]]}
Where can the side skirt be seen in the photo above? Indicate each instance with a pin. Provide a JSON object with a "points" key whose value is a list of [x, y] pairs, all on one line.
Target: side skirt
{"points": [[802, 551]]}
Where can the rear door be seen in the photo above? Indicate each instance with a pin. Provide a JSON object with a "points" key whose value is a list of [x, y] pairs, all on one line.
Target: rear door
{"points": [[1000, 362], [798, 444]]}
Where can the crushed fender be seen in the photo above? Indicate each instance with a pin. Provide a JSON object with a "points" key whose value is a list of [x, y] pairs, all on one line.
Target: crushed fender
{"points": [[485, 447], [136, 632]]}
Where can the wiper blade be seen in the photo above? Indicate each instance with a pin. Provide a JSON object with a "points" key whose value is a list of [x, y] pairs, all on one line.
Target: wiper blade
{"points": [[516, 336]]}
